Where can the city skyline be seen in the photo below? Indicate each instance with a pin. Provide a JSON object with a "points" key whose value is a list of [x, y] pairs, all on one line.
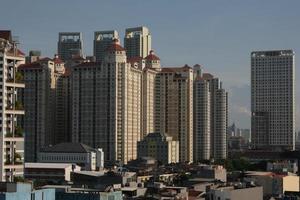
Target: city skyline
{"points": [[212, 34]]}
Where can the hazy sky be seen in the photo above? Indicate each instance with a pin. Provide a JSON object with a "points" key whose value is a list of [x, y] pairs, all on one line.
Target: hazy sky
{"points": [[218, 34]]}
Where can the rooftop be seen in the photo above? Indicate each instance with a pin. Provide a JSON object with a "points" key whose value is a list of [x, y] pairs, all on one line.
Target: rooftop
{"points": [[68, 148]]}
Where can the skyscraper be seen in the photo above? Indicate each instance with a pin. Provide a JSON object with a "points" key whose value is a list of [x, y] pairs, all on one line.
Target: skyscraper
{"points": [[69, 44], [39, 104], [210, 117], [137, 42], [273, 99], [107, 105], [174, 110], [11, 109], [102, 40]]}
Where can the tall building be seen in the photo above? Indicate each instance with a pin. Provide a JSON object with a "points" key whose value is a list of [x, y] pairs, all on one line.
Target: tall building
{"points": [[210, 117], [273, 99], [11, 109], [102, 40], [137, 42], [174, 110], [69, 44], [107, 105], [39, 104]]}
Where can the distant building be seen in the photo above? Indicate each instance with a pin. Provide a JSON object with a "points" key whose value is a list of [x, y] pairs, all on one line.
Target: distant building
{"points": [[24, 191], [39, 104], [102, 40], [273, 99], [235, 193], [34, 55], [275, 184], [210, 117], [214, 172], [137, 42], [69, 44], [11, 108], [50, 172], [283, 166], [84, 156], [107, 105], [159, 146]]}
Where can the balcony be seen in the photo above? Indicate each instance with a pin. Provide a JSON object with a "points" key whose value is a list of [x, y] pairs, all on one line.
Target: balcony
{"points": [[18, 82], [19, 109]]}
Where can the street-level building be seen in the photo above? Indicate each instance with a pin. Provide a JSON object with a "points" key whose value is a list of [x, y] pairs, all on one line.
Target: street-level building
{"points": [[82, 155], [160, 147]]}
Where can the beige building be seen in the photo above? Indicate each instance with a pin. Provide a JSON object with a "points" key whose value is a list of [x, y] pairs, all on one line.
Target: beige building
{"points": [[107, 105], [175, 108], [159, 146], [11, 109], [210, 117], [137, 42]]}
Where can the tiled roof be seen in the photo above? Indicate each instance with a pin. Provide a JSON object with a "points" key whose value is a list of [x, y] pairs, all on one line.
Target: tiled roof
{"points": [[152, 56], [134, 59], [5, 34], [57, 61], [68, 148], [175, 69], [19, 53], [34, 65], [115, 46], [207, 76], [88, 64]]}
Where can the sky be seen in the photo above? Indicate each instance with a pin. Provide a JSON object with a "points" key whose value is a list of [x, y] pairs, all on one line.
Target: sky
{"points": [[217, 34]]}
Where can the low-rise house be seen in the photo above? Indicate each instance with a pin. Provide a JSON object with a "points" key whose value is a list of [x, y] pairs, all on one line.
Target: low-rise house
{"points": [[235, 193], [24, 191], [54, 172], [86, 157]]}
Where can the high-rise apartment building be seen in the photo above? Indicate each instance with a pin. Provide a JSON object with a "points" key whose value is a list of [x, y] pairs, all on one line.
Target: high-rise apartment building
{"points": [[102, 40], [39, 105], [69, 44], [107, 105], [137, 42], [174, 110], [273, 99], [11, 109], [210, 117]]}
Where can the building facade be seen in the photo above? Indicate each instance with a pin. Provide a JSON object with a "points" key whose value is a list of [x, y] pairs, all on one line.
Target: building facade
{"points": [[159, 146], [107, 105], [102, 40], [137, 42], [39, 104], [11, 109], [273, 99], [69, 44], [210, 117]]}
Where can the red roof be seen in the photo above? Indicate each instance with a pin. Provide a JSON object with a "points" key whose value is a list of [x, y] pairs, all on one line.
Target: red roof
{"points": [[19, 53], [134, 59], [88, 64], [207, 76], [5, 34], [57, 61], [152, 56], [34, 65], [115, 46]]}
